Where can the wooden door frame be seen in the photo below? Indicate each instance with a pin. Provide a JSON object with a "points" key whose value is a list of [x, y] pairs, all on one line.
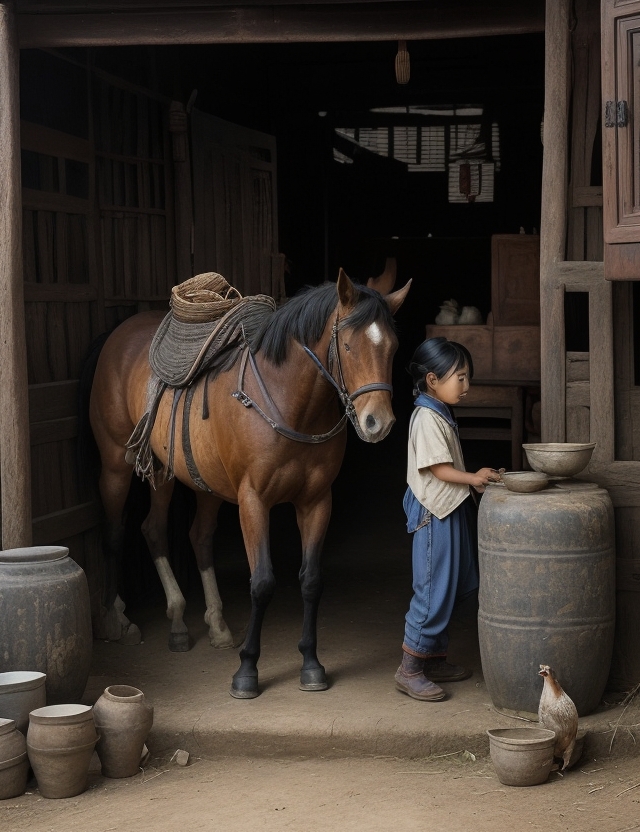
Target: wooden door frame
{"points": [[558, 275]]}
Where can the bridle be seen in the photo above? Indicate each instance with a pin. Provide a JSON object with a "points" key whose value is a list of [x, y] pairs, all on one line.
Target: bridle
{"points": [[347, 399]]}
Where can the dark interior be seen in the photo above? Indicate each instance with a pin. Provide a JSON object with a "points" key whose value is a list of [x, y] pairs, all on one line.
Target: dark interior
{"points": [[351, 215]]}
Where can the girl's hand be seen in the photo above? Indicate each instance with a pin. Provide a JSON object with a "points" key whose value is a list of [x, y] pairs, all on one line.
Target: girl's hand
{"points": [[485, 475]]}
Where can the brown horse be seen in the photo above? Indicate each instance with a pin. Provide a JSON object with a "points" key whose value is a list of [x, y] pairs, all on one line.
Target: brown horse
{"points": [[327, 349]]}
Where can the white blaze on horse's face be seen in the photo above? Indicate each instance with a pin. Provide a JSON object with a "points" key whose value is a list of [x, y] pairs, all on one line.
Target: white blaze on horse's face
{"points": [[373, 409], [374, 333]]}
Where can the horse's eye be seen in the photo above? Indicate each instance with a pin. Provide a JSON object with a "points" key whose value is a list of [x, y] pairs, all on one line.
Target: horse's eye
{"points": [[347, 347]]}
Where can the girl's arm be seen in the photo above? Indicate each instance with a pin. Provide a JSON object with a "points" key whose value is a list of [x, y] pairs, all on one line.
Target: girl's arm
{"points": [[446, 472]]}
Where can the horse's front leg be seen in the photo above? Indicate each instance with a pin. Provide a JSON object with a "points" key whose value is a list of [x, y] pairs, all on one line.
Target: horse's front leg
{"points": [[201, 536], [312, 522], [254, 520], [154, 529]]}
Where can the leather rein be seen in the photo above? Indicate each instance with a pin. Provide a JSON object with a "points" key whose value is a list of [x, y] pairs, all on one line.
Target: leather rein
{"points": [[277, 422]]}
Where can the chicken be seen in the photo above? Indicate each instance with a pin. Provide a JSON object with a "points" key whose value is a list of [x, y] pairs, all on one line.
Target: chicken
{"points": [[557, 712]]}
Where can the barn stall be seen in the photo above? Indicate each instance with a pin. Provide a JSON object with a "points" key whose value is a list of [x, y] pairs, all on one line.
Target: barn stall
{"points": [[118, 149]]}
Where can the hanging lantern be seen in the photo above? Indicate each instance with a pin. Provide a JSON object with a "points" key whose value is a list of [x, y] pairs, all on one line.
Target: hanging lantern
{"points": [[470, 185], [403, 68]]}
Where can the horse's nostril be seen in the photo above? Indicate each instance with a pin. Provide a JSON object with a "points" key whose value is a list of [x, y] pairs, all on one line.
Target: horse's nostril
{"points": [[371, 422]]}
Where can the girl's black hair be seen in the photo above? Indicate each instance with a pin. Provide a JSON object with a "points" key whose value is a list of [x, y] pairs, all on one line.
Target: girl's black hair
{"points": [[439, 356]]}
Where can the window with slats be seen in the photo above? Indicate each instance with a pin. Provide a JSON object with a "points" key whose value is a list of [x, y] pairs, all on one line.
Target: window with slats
{"points": [[456, 137]]}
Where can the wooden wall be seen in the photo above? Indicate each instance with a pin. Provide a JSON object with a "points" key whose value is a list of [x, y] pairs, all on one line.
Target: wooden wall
{"points": [[98, 246], [588, 395]]}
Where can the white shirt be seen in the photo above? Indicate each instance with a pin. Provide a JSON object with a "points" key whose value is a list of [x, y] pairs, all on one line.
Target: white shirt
{"points": [[432, 440]]}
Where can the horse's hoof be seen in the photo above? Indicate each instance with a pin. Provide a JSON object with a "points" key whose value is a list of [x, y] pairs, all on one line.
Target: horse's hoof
{"points": [[243, 694], [179, 642], [314, 679], [221, 640], [244, 687], [130, 635]]}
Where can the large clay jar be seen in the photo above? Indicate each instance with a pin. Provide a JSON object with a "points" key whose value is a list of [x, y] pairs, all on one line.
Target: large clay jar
{"points": [[14, 764], [123, 718], [60, 742], [45, 619], [21, 691]]}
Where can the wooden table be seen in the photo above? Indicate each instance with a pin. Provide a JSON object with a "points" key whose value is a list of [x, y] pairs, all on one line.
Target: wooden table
{"points": [[496, 399]]}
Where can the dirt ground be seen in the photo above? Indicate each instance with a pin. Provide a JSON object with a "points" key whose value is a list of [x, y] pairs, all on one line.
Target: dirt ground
{"points": [[235, 794], [360, 756]]}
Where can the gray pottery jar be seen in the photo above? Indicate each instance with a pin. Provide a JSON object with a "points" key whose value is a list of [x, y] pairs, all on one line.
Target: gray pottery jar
{"points": [[45, 619], [60, 742], [123, 718], [14, 764], [21, 691]]}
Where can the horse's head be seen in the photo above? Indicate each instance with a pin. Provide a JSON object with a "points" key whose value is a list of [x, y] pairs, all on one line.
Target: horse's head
{"points": [[365, 343]]}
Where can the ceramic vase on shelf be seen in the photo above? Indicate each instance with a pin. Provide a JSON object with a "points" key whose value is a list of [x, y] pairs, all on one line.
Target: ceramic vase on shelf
{"points": [[21, 691], [60, 742], [123, 719], [14, 764]]}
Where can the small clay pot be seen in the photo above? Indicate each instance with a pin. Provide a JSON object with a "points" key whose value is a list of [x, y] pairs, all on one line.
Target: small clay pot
{"points": [[522, 756], [60, 742], [21, 691], [14, 765], [123, 718]]}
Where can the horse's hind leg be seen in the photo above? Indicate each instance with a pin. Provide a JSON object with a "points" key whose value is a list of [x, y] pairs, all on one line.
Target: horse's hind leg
{"points": [[201, 536], [312, 522], [154, 530], [115, 481]]}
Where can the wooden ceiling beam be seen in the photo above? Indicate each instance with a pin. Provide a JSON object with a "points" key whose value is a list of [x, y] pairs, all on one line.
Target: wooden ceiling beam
{"points": [[107, 24]]}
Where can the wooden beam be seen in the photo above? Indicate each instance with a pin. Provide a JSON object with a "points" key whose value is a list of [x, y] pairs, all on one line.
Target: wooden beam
{"points": [[553, 220], [15, 477], [60, 525], [56, 399], [109, 24], [601, 370]]}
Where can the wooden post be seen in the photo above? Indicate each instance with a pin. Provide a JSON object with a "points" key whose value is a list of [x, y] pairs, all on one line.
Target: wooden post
{"points": [[15, 463], [553, 220]]}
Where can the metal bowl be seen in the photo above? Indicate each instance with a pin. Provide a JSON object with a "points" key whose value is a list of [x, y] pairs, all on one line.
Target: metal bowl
{"points": [[524, 481], [559, 459]]}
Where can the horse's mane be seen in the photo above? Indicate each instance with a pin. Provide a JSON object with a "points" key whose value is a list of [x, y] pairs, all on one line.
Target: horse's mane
{"points": [[304, 317]]}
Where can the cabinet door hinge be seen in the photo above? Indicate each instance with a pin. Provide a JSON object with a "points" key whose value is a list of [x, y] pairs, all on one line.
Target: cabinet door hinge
{"points": [[616, 114]]}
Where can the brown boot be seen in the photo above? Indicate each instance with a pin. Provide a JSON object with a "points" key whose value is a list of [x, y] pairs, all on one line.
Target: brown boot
{"points": [[438, 669], [411, 680]]}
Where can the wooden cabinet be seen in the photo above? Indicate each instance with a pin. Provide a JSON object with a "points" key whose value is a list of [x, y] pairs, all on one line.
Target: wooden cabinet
{"points": [[621, 137], [515, 279]]}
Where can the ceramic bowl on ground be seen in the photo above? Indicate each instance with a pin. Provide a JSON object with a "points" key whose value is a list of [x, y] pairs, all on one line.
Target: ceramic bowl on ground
{"points": [[559, 459], [522, 756], [525, 481]]}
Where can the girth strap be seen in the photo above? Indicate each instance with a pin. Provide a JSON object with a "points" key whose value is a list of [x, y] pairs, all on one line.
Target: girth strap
{"points": [[192, 468]]}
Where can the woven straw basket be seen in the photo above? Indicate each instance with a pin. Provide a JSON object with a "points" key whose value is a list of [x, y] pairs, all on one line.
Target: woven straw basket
{"points": [[202, 298]]}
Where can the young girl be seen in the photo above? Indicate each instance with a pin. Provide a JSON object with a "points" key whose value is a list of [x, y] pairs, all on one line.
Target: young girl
{"points": [[439, 510]]}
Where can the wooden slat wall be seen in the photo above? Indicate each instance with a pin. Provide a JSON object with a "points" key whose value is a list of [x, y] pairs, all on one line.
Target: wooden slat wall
{"points": [[90, 262]]}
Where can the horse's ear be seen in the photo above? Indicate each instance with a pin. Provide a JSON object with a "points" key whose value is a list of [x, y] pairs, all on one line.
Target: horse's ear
{"points": [[384, 283], [394, 301], [347, 292]]}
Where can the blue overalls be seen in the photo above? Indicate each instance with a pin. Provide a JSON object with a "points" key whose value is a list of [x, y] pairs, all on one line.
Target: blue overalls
{"points": [[444, 563]]}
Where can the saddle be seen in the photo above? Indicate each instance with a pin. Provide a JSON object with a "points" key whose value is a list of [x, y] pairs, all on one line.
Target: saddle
{"points": [[208, 324]]}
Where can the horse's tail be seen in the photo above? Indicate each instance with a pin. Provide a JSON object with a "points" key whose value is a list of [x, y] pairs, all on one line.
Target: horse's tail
{"points": [[87, 452]]}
